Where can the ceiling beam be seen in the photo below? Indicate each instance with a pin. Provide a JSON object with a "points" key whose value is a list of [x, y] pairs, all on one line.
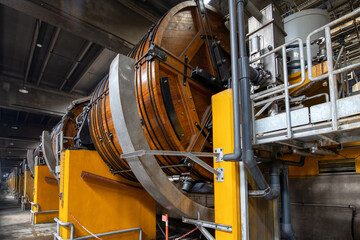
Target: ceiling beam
{"points": [[107, 23], [38, 100], [103, 58], [32, 49], [76, 64], [48, 54], [145, 12]]}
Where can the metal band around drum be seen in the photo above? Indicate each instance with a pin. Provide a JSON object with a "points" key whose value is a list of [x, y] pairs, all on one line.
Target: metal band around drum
{"points": [[48, 152], [131, 138], [30, 161]]}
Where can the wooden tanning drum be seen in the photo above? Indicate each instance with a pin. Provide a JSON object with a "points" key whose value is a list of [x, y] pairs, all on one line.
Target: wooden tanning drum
{"points": [[174, 109], [32, 158], [67, 127]]}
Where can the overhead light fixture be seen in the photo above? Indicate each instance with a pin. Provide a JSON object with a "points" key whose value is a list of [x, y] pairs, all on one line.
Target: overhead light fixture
{"points": [[206, 1], [39, 45], [14, 128], [11, 144], [23, 90]]}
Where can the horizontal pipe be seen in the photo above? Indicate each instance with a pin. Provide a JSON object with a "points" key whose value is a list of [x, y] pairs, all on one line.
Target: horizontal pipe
{"points": [[105, 181], [50, 180], [303, 153], [47, 211], [296, 164], [112, 233], [352, 207]]}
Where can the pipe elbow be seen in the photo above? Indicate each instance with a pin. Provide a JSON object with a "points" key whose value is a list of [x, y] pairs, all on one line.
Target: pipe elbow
{"points": [[235, 156], [271, 194], [287, 231]]}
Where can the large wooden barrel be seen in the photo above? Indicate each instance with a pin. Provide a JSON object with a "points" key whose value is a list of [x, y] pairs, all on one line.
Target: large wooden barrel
{"points": [[32, 158], [175, 110], [67, 126]]}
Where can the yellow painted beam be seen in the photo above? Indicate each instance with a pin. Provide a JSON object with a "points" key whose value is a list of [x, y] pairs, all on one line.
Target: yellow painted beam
{"points": [[28, 186], [46, 194], [20, 186], [101, 207], [226, 193]]}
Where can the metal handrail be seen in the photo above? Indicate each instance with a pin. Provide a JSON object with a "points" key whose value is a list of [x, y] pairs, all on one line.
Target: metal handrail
{"points": [[327, 28], [280, 88], [37, 211], [24, 202], [72, 230], [331, 72], [284, 88]]}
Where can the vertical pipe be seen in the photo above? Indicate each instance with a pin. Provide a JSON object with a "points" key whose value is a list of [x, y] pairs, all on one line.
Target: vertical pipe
{"points": [[246, 111], [140, 234], [275, 184], [235, 84], [346, 73], [332, 82], [285, 205], [244, 214], [287, 102]]}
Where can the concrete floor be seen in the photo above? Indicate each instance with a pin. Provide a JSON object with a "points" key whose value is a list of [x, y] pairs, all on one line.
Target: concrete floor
{"points": [[15, 223]]}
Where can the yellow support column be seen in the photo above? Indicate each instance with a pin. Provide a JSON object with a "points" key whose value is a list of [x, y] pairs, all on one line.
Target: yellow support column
{"points": [[46, 194], [101, 205], [226, 193], [28, 187], [21, 185]]}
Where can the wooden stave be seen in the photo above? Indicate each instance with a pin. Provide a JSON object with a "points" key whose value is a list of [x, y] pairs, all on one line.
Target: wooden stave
{"points": [[100, 97]]}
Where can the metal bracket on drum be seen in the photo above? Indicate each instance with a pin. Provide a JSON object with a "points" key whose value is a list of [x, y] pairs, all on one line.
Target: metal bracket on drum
{"points": [[155, 52]]}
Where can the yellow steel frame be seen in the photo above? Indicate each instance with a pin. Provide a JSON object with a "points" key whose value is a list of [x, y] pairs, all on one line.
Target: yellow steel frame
{"points": [[100, 207], [226, 193], [28, 186], [46, 194]]}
